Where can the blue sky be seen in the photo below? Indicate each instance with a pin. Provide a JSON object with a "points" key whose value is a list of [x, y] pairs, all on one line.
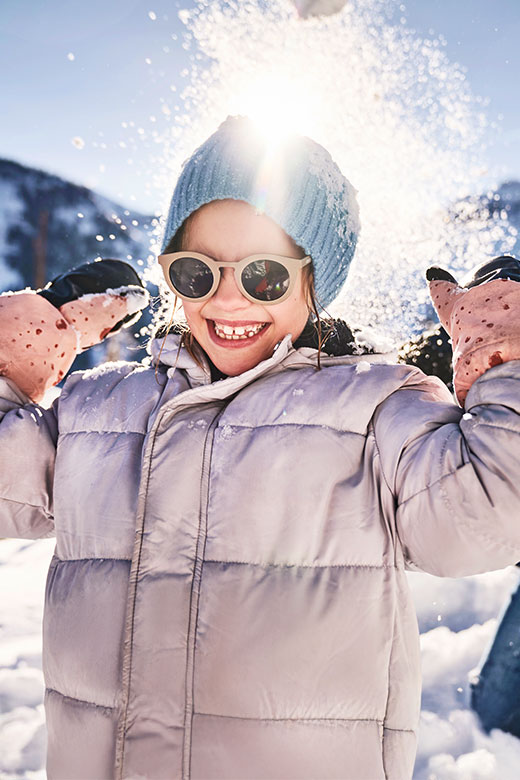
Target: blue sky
{"points": [[71, 73]]}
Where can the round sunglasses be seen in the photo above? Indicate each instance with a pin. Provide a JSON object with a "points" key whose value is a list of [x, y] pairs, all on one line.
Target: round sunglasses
{"points": [[262, 278]]}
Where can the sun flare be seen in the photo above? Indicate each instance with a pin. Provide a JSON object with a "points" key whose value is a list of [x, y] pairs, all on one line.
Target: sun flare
{"points": [[278, 107]]}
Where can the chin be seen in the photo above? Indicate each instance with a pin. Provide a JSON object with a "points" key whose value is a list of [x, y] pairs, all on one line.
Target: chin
{"points": [[236, 367]]}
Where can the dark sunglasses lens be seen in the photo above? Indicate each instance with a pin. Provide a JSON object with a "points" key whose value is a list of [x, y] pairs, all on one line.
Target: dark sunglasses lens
{"points": [[191, 277], [265, 280]]}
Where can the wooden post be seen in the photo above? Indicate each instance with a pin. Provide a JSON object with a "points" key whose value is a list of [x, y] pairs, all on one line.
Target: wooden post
{"points": [[40, 250]]}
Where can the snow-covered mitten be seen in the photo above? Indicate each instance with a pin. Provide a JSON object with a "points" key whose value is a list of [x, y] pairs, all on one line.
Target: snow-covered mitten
{"points": [[42, 332], [481, 317]]}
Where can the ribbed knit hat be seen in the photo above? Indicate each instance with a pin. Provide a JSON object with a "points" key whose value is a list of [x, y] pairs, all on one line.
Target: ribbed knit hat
{"points": [[295, 182]]}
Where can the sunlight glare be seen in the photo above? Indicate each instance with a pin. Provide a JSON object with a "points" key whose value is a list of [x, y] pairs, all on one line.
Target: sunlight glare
{"points": [[278, 107]]}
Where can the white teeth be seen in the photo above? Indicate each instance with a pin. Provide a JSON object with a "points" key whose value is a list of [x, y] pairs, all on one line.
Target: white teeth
{"points": [[239, 332]]}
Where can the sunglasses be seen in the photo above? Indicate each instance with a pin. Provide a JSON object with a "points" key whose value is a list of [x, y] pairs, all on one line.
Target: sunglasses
{"points": [[264, 278]]}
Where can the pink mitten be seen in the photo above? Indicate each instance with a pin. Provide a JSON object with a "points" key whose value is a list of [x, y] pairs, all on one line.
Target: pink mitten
{"points": [[481, 318], [42, 332]]}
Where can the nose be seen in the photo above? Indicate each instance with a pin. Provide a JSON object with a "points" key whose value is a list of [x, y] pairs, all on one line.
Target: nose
{"points": [[228, 296]]}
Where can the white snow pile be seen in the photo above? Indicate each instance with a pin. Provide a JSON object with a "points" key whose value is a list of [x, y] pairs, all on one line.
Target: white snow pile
{"points": [[457, 619], [23, 568]]}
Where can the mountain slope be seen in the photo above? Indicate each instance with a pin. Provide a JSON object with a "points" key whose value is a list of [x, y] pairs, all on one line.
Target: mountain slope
{"points": [[48, 225]]}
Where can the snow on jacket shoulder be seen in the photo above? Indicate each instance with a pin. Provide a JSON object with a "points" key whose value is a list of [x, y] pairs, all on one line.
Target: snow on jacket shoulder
{"points": [[228, 596]]}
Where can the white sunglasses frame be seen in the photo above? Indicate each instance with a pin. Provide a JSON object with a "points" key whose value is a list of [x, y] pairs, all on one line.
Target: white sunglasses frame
{"points": [[293, 264]]}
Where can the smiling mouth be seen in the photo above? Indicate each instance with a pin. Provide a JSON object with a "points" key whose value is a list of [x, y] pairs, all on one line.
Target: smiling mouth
{"points": [[238, 332]]}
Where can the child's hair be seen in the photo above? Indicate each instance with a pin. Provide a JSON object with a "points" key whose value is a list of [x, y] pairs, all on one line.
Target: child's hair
{"points": [[177, 244]]}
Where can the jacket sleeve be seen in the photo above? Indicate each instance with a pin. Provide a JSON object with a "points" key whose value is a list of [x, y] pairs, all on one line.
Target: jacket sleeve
{"points": [[28, 436], [454, 473]]}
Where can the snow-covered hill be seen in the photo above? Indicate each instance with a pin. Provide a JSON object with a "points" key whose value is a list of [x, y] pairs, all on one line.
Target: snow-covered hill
{"points": [[502, 204], [48, 225]]}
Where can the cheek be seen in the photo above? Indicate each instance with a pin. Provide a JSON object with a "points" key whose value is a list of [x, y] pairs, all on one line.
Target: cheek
{"points": [[192, 314], [293, 316]]}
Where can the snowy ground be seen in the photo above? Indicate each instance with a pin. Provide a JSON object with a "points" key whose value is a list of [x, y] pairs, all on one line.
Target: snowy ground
{"points": [[457, 619]]}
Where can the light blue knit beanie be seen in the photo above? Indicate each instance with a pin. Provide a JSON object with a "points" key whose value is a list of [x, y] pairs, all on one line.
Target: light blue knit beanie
{"points": [[296, 183]]}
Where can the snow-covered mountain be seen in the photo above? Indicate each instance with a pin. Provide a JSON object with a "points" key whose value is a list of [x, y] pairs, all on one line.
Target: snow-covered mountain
{"points": [[49, 225], [506, 198], [495, 206]]}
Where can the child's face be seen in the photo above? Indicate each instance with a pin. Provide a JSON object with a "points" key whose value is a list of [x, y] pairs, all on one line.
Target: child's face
{"points": [[230, 230]]}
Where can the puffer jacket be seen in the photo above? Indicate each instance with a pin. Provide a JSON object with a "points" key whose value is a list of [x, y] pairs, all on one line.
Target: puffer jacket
{"points": [[227, 597]]}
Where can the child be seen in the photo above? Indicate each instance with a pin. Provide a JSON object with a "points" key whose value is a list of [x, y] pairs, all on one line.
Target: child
{"points": [[228, 595]]}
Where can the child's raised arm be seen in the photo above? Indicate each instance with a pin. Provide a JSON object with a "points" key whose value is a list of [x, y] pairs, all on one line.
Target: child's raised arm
{"points": [[455, 473], [40, 335]]}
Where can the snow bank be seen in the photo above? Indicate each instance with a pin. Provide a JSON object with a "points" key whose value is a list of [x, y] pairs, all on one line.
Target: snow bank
{"points": [[23, 569], [457, 619]]}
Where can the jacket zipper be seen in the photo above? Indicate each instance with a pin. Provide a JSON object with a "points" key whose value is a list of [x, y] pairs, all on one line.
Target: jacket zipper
{"points": [[168, 409], [195, 594]]}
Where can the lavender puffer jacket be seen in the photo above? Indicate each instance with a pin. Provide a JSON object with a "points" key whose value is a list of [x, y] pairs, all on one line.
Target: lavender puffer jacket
{"points": [[228, 595]]}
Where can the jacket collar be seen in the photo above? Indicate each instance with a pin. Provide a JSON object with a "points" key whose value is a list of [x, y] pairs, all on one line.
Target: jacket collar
{"points": [[168, 353]]}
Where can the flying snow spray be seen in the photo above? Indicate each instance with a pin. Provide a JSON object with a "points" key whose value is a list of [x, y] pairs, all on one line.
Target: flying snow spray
{"points": [[398, 118]]}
